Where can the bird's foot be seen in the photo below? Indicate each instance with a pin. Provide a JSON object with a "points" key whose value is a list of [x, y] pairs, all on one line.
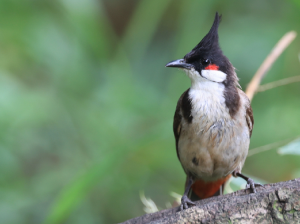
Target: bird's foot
{"points": [[185, 201], [251, 184]]}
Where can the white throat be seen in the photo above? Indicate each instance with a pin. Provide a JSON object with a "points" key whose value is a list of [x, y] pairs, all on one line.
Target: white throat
{"points": [[207, 97]]}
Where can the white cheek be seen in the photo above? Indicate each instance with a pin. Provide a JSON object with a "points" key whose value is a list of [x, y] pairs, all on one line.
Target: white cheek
{"points": [[214, 75]]}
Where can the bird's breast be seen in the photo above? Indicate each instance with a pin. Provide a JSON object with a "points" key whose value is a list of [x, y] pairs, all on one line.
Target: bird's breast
{"points": [[213, 144]]}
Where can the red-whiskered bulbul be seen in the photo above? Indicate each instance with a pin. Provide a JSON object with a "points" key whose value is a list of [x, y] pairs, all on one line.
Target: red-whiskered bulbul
{"points": [[213, 121]]}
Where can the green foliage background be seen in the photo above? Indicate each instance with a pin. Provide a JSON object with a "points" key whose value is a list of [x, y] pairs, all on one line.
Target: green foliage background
{"points": [[87, 104]]}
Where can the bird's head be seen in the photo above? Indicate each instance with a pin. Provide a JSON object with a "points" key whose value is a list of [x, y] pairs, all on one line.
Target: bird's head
{"points": [[206, 61]]}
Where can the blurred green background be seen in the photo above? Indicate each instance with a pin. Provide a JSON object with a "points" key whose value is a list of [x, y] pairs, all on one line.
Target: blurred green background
{"points": [[87, 105]]}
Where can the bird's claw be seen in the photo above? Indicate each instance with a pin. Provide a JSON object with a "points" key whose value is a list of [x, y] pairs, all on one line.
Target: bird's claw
{"points": [[185, 201], [251, 184]]}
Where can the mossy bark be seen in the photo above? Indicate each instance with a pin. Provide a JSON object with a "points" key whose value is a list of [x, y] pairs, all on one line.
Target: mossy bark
{"points": [[273, 203]]}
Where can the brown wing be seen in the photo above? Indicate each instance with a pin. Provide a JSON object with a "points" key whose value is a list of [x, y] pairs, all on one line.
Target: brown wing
{"points": [[249, 118], [177, 120]]}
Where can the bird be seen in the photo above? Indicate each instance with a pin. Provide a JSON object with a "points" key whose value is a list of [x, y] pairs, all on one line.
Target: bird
{"points": [[213, 121]]}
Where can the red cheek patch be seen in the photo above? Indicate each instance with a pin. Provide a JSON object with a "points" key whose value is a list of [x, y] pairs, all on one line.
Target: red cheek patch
{"points": [[212, 67]]}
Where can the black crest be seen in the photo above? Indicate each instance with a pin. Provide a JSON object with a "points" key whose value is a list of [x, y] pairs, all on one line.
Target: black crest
{"points": [[209, 48], [210, 43]]}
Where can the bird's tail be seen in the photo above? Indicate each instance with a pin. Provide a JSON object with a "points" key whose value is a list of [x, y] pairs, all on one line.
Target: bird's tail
{"points": [[201, 189]]}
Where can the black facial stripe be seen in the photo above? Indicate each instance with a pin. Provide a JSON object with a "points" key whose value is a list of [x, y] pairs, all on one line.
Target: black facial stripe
{"points": [[187, 107], [200, 73]]}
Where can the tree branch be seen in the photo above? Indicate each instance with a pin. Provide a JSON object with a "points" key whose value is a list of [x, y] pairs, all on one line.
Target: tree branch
{"points": [[273, 203], [281, 82], [282, 44]]}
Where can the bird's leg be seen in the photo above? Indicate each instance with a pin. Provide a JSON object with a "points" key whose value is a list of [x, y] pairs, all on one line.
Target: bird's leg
{"points": [[185, 200], [250, 183]]}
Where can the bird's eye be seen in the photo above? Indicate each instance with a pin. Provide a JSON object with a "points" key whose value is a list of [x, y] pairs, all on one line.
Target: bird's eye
{"points": [[205, 62]]}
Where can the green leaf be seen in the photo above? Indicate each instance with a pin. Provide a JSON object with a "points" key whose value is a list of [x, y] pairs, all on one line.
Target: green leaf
{"points": [[293, 148]]}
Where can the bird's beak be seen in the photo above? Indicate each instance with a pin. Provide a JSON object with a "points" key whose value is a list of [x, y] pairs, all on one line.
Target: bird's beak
{"points": [[180, 63]]}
